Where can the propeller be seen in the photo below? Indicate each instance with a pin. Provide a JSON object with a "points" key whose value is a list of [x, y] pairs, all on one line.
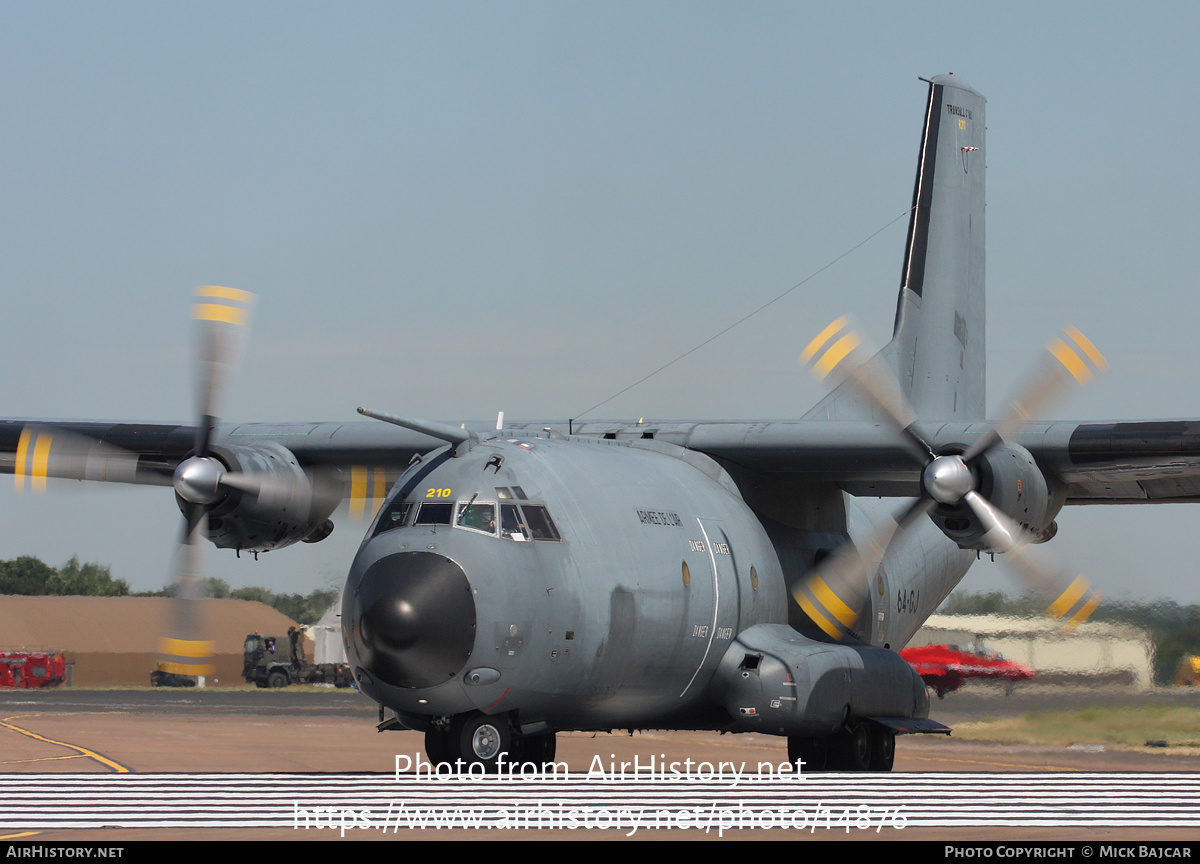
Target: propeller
{"points": [[267, 473], [220, 315], [833, 592], [185, 648], [200, 481]]}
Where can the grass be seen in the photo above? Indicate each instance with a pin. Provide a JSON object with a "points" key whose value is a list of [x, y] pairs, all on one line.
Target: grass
{"points": [[1178, 725]]}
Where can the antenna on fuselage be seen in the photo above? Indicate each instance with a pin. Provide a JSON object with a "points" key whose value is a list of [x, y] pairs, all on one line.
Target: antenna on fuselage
{"points": [[426, 427]]}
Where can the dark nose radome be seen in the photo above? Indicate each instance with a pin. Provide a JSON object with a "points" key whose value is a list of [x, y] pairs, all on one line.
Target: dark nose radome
{"points": [[414, 619]]}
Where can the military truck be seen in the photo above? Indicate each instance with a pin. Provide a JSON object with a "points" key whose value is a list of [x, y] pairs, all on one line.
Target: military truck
{"points": [[270, 661]]}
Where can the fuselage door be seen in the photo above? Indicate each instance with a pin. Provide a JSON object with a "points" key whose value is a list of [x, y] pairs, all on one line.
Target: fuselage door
{"points": [[722, 626]]}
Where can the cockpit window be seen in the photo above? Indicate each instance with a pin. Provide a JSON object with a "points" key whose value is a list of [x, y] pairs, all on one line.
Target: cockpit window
{"points": [[527, 522], [393, 516], [511, 526], [434, 514], [541, 526], [477, 517], [503, 493]]}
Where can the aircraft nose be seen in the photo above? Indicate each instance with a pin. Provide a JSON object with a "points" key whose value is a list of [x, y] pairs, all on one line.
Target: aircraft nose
{"points": [[414, 619]]}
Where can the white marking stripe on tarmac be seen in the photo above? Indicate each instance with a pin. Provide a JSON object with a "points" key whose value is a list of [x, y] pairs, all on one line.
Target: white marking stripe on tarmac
{"points": [[48, 801]]}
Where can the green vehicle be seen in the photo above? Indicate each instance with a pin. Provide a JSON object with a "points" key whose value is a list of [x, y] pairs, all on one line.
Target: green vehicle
{"points": [[270, 661]]}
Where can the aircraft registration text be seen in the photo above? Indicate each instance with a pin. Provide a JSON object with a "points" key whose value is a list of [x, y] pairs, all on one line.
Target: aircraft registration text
{"points": [[659, 517]]}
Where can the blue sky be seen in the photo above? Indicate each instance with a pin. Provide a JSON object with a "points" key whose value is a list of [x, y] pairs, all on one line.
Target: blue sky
{"points": [[452, 209]]}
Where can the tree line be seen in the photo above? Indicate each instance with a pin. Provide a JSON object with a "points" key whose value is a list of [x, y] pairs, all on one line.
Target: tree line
{"points": [[31, 577], [1174, 628]]}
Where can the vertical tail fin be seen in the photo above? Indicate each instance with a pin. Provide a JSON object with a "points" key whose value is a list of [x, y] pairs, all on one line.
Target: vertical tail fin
{"points": [[938, 348], [939, 336]]}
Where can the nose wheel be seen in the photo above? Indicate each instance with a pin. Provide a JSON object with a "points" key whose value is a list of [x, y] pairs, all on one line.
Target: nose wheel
{"points": [[471, 739], [481, 739], [487, 741]]}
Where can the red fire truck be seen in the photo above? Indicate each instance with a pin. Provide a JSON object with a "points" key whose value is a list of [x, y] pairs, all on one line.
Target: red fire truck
{"points": [[31, 669]]}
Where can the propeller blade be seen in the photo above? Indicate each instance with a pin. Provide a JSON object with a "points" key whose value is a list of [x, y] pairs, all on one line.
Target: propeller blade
{"points": [[1070, 360], [221, 315], [47, 451], [365, 491], [1001, 533], [323, 489], [836, 589], [185, 648], [839, 351], [1072, 597]]}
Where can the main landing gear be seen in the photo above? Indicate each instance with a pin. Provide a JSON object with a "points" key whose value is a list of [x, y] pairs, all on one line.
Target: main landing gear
{"points": [[489, 742], [860, 745]]}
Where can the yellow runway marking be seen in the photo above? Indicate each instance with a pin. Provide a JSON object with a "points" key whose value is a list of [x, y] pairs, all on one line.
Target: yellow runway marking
{"points": [[116, 767], [22, 834], [43, 759]]}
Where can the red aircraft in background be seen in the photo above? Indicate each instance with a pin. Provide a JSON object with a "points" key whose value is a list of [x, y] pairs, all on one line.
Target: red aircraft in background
{"points": [[945, 668]]}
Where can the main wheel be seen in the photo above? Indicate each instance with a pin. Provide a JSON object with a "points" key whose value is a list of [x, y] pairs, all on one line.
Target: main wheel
{"points": [[883, 748], [277, 679], [480, 740], [812, 752], [850, 749]]}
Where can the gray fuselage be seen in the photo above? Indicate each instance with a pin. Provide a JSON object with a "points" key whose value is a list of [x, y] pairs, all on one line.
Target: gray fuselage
{"points": [[617, 615]]}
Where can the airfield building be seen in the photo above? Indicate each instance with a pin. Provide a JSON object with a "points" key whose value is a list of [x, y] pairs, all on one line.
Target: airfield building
{"points": [[114, 640], [1095, 653]]}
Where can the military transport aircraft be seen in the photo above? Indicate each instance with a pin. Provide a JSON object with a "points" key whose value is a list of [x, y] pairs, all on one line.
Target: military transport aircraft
{"points": [[739, 576]]}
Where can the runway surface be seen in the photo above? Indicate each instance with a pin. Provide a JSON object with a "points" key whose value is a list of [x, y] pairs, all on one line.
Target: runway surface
{"points": [[319, 751]]}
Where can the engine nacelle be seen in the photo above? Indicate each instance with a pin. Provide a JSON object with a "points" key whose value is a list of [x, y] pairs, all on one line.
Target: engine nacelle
{"points": [[774, 680], [1009, 478], [288, 506]]}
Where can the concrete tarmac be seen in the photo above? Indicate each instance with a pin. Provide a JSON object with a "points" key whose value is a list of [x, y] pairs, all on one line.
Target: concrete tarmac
{"points": [[313, 730]]}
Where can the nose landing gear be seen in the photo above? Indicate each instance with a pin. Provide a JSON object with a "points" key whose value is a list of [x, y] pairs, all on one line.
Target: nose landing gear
{"points": [[490, 742]]}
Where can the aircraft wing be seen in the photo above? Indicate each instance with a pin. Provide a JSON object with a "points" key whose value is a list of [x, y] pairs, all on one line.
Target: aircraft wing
{"points": [[1141, 462], [1099, 463], [147, 453], [1138, 462]]}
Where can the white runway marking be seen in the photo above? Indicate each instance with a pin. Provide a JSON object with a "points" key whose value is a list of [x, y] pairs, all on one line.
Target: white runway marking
{"points": [[853, 802]]}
